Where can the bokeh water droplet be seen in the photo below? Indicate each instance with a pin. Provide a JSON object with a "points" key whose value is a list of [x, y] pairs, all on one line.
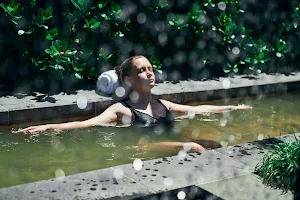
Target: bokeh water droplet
{"points": [[137, 164], [229, 149], [235, 50], [222, 6], [181, 195], [168, 181], [181, 155], [226, 83], [118, 173], [260, 136], [120, 91], [82, 102]]}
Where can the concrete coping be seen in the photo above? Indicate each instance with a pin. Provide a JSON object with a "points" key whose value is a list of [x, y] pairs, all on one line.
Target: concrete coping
{"points": [[39, 107], [206, 171]]}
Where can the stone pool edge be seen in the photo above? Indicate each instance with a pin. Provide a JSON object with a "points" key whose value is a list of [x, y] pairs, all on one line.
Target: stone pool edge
{"points": [[213, 172], [39, 107]]}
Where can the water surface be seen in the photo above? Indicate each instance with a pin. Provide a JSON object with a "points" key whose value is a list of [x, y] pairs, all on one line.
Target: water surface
{"points": [[31, 158]]}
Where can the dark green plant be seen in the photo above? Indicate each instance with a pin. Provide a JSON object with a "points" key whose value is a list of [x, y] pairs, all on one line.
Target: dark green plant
{"points": [[78, 38], [278, 168]]}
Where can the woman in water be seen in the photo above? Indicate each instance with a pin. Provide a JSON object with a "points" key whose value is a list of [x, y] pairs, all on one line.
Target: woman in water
{"points": [[141, 110]]}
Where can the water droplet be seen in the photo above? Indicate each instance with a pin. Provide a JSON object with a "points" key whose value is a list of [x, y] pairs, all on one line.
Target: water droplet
{"points": [[195, 133], [295, 25], [278, 54], [235, 50], [222, 6], [59, 174], [120, 91], [226, 83], [224, 143], [231, 138], [246, 168], [137, 164], [191, 113], [141, 18], [238, 136], [82, 102], [118, 173], [229, 149], [202, 19], [21, 32], [223, 122], [126, 120], [181, 195], [181, 155], [200, 179], [187, 146], [260, 136], [134, 96], [168, 181]]}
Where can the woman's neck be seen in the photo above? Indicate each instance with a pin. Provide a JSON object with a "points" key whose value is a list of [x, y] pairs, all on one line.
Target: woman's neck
{"points": [[144, 97]]}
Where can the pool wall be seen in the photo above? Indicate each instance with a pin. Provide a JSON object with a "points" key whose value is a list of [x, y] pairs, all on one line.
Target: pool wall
{"points": [[38, 108]]}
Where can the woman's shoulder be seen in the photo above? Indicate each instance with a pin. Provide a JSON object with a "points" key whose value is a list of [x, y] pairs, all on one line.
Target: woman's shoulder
{"points": [[119, 107], [165, 103]]}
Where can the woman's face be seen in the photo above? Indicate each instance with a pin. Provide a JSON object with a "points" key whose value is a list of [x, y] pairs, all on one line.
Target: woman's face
{"points": [[142, 75]]}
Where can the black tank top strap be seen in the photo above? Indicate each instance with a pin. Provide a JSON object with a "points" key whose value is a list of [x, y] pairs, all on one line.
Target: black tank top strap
{"points": [[133, 113]]}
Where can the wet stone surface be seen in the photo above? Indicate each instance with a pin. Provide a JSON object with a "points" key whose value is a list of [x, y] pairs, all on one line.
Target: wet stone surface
{"points": [[172, 173], [99, 184], [248, 153], [243, 188]]}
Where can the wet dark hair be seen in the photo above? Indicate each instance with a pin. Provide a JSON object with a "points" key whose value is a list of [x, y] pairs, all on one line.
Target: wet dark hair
{"points": [[124, 68]]}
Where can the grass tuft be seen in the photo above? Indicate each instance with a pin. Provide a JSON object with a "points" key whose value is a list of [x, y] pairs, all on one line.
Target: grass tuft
{"points": [[278, 168]]}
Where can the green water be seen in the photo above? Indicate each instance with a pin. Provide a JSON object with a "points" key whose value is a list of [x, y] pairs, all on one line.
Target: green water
{"points": [[31, 158]]}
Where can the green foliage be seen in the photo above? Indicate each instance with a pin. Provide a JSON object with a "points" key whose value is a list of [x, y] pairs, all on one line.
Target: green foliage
{"points": [[79, 37], [279, 167]]}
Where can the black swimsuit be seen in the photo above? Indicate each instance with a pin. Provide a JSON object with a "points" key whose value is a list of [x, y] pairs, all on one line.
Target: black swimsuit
{"points": [[143, 120]]}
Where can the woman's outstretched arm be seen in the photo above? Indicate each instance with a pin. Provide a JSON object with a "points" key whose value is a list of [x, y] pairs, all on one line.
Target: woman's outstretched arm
{"points": [[188, 146], [184, 109], [107, 118]]}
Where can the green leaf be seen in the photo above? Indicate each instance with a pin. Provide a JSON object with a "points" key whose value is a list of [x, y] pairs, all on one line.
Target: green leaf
{"points": [[226, 70], [43, 68], [80, 67], [70, 52], [171, 23], [116, 8], [96, 25], [235, 70], [64, 45], [4, 6], [81, 2], [58, 67], [49, 37], [75, 4], [100, 5], [261, 55], [34, 62], [49, 11], [48, 51], [109, 56], [78, 76]]}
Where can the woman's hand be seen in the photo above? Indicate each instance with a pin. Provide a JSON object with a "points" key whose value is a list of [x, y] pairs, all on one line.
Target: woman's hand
{"points": [[196, 147], [32, 129]]}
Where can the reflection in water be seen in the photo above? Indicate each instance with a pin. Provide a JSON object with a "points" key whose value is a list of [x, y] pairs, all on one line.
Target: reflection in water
{"points": [[27, 158]]}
